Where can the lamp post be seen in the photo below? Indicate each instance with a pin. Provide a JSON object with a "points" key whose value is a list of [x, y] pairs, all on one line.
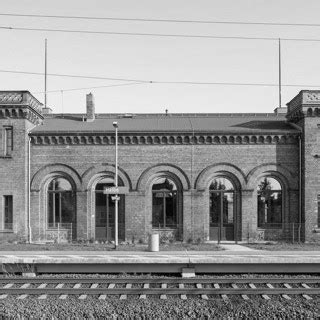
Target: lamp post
{"points": [[115, 125]]}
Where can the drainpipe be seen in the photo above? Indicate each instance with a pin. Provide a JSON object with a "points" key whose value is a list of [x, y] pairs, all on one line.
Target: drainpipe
{"points": [[29, 197], [300, 187], [192, 161]]}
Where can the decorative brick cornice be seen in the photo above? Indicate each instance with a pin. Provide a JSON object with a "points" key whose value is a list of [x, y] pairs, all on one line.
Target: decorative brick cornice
{"points": [[20, 105], [164, 139], [20, 113], [305, 104]]}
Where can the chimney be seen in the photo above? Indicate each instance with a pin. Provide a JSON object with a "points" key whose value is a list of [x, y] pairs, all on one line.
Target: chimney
{"points": [[46, 110], [282, 110], [90, 108]]}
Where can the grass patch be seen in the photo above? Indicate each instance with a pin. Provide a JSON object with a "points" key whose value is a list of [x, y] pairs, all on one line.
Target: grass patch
{"points": [[8, 246], [284, 246]]}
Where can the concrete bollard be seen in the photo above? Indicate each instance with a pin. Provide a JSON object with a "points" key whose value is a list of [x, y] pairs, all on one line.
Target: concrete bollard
{"points": [[154, 242]]}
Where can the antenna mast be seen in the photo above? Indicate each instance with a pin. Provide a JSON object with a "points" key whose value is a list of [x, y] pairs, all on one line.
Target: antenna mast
{"points": [[45, 74], [280, 73]]}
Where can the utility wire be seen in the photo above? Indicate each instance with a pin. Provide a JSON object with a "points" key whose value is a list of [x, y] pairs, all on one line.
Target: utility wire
{"points": [[158, 34], [72, 76], [86, 88], [163, 20], [160, 82]]}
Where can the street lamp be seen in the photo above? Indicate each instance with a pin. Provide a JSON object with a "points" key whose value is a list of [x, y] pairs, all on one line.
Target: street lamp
{"points": [[115, 125]]}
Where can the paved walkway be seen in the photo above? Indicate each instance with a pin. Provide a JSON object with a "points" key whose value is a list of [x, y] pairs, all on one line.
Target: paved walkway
{"points": [[235, 247], [233, 255]]}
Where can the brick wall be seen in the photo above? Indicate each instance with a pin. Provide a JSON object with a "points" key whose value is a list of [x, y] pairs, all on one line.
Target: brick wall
{"points": [[138, 167], [14, 174]]}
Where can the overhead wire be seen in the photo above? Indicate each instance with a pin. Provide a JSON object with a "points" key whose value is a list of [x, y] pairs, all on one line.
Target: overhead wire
{"points": [[266, 23], [86, 88], [135, 82], [158, 34]]}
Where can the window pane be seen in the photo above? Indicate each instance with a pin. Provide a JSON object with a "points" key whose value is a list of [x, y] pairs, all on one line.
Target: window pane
{"points": [[164, 184], [270, 209], [60, 184], [101, 210], [158, 210], [227, 208], [8, 141], [222, 184], [267, 183], [67, 207], [171, 209], [215, 209], [56, 207], [8, 212], [50, 209]]}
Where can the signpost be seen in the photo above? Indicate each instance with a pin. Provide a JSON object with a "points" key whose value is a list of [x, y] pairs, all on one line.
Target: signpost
{"points": [[116, 190]]}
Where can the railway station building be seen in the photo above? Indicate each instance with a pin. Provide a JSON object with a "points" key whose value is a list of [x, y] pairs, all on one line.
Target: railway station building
{"points": [[190, 177]]}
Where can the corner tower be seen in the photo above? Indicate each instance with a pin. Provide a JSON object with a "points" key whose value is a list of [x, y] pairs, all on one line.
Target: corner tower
{"points": [[304, 111], [19, 113]]}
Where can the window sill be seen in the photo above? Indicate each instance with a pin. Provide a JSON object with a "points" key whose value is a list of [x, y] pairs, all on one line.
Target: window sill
{"points": [[269, 228], [6, 231], [316, 230], [5, 157], [164, 229]]}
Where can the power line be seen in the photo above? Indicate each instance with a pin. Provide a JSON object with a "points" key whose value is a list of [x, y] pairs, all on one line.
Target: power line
{"points": [[157, 34], [159, 82], [72, 76], [86, 88], [163, 20]]}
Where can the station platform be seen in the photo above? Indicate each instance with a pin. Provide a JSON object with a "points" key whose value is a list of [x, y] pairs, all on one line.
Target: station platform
{"points": [[236, 261]]}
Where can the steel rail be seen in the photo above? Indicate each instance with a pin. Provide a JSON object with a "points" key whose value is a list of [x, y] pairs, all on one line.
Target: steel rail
{"points": [[159, 280], [161, 291]]}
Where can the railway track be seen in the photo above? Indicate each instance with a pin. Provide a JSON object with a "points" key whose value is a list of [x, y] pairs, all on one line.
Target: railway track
{"points": [[206, 288]]}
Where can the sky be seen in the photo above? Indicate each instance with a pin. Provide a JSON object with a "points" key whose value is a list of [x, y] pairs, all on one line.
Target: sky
{"points": [[163, 59]]}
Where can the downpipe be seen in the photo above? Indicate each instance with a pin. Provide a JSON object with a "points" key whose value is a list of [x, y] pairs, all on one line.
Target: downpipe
{"points": [[29, 196]]}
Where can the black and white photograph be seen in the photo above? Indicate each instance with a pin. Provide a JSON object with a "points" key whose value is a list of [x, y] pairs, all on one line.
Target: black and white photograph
{"points": [[159, 159]]}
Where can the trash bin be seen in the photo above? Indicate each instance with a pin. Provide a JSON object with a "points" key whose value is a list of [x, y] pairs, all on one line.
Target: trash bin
{"points": [[154, 242]]}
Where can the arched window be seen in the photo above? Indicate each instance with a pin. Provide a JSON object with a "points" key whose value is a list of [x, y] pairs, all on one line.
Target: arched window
{"points": [[164, 204], [61, 203], [222, 209], [269, 203]]}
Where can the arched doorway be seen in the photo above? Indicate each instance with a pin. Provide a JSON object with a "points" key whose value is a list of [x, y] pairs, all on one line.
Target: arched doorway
{"points": [[222, 210], [269, 193], [167, 207], [61, 201], [105, 212]]}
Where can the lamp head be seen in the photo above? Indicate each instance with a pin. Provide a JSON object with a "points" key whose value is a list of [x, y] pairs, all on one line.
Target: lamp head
{"points": [[115, 124]]}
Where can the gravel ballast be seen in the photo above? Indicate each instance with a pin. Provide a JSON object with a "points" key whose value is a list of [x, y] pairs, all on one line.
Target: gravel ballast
{"points": [[158, 309], [153, 307]]}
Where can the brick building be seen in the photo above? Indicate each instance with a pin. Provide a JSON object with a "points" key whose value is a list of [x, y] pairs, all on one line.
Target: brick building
{"points": [[188, 176]]}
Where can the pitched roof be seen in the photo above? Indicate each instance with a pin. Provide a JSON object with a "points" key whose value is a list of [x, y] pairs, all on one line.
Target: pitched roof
{"points": [[215, 123]]}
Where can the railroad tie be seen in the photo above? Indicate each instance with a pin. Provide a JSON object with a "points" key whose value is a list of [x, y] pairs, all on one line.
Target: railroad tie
{"points": [[223, 296], [78, 286], [306, 296], [182, 296], [63, 296], [24, 286], [163, 296], [144, 296], [43, 296], [124, 296], [103, 296], [288, 287], [203, 296], [244, 296], [7, 286], [264, 296]]}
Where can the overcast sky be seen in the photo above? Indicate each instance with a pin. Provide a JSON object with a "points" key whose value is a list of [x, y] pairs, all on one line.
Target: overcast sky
{"points": [[161, 58]]}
